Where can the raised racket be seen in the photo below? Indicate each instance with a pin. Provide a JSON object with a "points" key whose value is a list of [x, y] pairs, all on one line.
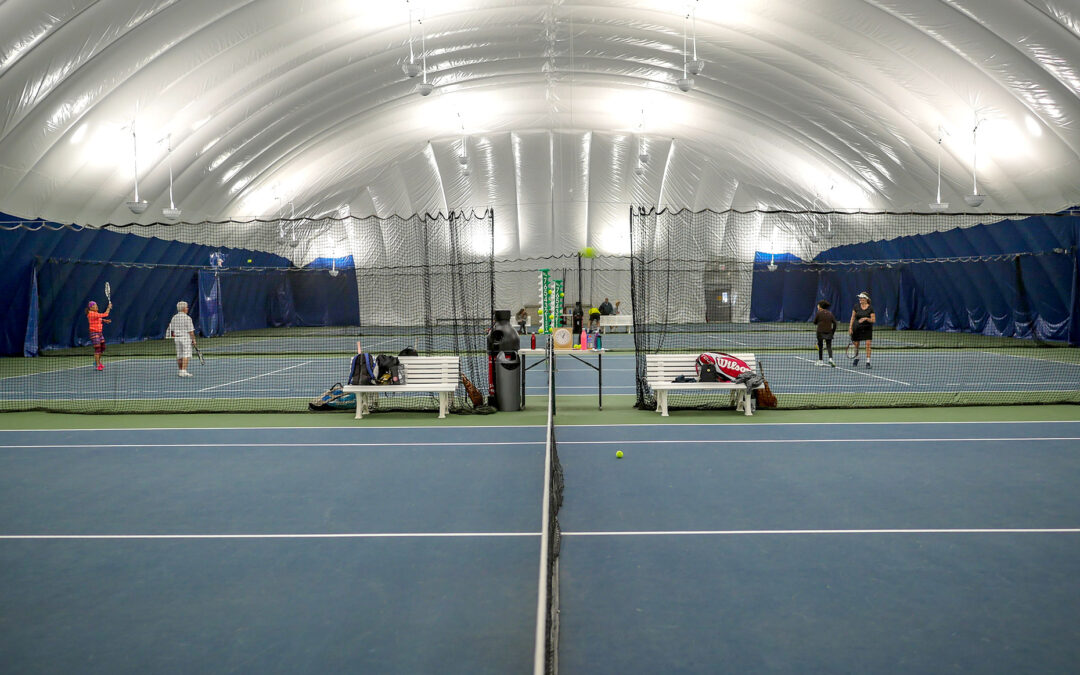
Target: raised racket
{"points": [[851, 350], [108, 292]]}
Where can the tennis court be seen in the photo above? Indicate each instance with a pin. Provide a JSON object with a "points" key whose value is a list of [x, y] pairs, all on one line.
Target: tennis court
{"points": [[781, 548]]}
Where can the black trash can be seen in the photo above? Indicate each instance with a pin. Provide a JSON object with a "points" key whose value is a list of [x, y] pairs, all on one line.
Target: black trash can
{"points": [[504, 363], [508, 381]]}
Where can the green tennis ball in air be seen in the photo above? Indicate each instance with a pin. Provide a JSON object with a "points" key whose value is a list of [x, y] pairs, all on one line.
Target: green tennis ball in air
{"points": [[562, 295], [618, 454], [588, 252], [249, 259]]}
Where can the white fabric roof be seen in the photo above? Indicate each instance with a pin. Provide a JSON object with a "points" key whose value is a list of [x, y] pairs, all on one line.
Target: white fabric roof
{"points": [[301, 108]]}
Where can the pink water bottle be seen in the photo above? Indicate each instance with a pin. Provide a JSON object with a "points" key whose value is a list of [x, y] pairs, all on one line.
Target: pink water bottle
{"points": [[584, 339]]}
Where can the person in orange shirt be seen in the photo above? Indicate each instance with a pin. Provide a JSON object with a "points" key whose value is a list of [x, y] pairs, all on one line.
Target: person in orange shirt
{"points": [[97, 318]]}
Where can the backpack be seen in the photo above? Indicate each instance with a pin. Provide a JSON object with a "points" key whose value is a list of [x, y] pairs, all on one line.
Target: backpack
{"points": [[719, 367], [390, 370], [333, 399], [362, 371]]}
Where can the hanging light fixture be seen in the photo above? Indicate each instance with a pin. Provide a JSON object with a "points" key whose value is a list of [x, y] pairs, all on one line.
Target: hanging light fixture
{"points": [[642, 155], [463, 158], [137, 205], [974, 199], [333, 266], [696, 65], [424, 87], [939, 205], [171, 213], [412, 68], [685, 83]]}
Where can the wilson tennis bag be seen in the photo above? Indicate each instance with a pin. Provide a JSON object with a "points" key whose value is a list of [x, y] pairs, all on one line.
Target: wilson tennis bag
{"points": [[719, 367], [362, 371], [333, 399]]}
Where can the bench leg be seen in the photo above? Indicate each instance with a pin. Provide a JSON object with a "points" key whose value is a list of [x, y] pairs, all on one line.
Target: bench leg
{"points": [[360, 406], [444, 403], [661, 402], [748, 403]]}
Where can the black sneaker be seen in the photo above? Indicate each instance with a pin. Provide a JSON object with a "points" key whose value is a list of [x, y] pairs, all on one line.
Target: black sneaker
{"points": [[868, 365], [855, 362]]}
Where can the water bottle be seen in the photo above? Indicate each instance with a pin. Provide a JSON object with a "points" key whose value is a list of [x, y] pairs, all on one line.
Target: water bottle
{"points": [[584, 338], [532, 341], [599, 341]]}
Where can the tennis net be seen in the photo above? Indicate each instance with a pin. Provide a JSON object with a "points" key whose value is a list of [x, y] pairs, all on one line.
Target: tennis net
{"points": [[279, 310], [547, 614], [925, 309]]}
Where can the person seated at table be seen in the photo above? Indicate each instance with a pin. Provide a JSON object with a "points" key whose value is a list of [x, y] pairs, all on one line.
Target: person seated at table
{"points": [[605, 308]]}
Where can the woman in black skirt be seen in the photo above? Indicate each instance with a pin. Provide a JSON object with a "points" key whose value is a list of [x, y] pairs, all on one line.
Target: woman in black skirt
{"points": [[861, 328]]}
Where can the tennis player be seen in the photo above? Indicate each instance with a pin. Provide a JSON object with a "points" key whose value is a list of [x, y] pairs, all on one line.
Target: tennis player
{"points": [[95, 319], [826, 327], [182, 331], [861, 327]]}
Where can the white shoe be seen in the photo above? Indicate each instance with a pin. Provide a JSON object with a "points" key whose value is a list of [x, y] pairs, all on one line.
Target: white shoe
{"points": [[179, 373], [819, 363], [184, 373], [832, 363]]}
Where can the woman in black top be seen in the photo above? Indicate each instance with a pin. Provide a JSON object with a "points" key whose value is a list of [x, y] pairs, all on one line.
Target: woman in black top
{"points": [[826, 327], [861, 327]]}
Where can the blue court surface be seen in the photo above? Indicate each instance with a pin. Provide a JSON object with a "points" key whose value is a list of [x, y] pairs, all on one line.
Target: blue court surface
{"points": [[706, 549]]}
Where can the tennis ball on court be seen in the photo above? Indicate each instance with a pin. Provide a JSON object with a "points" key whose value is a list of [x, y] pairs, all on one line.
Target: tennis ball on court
{"points": [[618, 454]]}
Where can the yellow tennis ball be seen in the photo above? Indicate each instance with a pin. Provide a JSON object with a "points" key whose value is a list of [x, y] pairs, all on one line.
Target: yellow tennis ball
{"points": [[588, 252], [562, 295], [619, 454]]}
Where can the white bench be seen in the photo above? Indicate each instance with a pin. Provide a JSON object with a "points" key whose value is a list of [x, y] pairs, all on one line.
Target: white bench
{"points": [[436, 374], [661, 369], [610, 320]]}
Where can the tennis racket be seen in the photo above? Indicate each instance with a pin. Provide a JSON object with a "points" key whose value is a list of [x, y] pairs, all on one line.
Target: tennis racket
{"points": [[198, 353], [851, 350], [108, 292]]}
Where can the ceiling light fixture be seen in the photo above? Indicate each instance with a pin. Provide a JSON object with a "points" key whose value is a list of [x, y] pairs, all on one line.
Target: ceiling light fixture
{"points": [[696, 65], [939, 205], [974, 199], [424, 87], [171, 213], [137, 205], [685, 83], [412, 68]]}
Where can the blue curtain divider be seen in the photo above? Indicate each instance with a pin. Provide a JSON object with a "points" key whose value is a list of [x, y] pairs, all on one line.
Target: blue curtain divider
{"points": [[1031, 291]]}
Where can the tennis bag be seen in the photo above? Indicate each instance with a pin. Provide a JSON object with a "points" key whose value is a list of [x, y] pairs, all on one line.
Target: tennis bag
{"points": [[363, 370], [719, 367], [333, 399], [390, 369]]}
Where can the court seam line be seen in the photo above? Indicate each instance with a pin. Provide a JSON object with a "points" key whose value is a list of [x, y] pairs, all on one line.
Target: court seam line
{"points": [[420, 444], [1013, 530], [541, 426], [313, 535], [272, 372]]}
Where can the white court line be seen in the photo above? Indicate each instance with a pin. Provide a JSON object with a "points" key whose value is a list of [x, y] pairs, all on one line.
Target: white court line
{"points": [[275, 445], [279, 370], [728, 441], [667, 533], [63, 370], [858, 372], [821, 440], [343, 535], [541, 426]]}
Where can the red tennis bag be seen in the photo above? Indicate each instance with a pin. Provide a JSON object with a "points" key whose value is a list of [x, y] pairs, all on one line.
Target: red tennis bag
{"points": [[719, 367]]}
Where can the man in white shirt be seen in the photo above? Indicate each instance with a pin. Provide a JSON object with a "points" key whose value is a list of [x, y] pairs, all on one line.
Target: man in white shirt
{"points": [[182, 331]]}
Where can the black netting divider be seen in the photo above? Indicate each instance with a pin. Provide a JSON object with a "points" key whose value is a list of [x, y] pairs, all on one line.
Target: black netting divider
{"points": [[967, 311], [278, 308]]}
